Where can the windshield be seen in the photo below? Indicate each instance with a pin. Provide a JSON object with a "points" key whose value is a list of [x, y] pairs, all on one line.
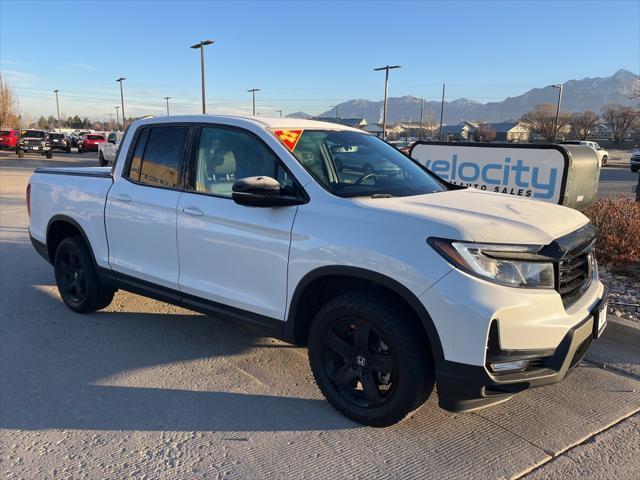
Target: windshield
{"points": [[352, 164], [57, 136], [32, 134], [4, 132], [95, 137]]}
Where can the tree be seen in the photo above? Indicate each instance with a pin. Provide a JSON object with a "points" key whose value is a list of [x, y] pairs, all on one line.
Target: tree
{"points": [[620, 119], [582, 123], [542, 121], [8, 105], [484, 133], [42, 122]]}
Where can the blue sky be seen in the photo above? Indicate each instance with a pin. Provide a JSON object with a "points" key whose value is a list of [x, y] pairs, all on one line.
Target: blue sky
{"points": [[302, 55]]}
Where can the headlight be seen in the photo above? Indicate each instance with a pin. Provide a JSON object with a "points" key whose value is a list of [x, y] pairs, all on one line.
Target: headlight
{"points": [[510, 265]]}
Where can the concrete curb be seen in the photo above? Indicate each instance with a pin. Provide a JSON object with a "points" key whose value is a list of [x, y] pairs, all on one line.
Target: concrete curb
{"points": [[623, 331]]}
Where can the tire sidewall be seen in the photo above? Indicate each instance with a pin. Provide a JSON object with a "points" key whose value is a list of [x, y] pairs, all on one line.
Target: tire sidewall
{"points": [[76, 244]]}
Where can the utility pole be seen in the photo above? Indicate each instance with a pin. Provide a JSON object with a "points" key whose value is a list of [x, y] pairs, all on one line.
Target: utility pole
{"points": [[253, 93], [421, 118], [124, 119], [386, 68], [280, 112], [337, 116], [441, 112], [167, 99], [117, 117], [559, 86], [57, 107], [201, 46]]}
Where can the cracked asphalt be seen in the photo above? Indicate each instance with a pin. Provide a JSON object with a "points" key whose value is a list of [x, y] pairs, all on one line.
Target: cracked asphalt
{"points": [[148, 390]]}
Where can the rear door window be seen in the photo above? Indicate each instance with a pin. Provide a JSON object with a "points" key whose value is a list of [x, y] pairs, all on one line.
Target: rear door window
{"points": [[159, 165]]}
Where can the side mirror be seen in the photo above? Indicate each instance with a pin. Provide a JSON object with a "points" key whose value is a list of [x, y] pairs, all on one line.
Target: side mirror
{"points": [[261, 192]]}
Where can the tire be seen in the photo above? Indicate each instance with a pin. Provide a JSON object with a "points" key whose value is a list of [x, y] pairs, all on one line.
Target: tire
{"points": [[20, 154], [604, 161], [68, 150], [76, 278], [80, 151], [49, 154], [101, 160], [369, 358]]}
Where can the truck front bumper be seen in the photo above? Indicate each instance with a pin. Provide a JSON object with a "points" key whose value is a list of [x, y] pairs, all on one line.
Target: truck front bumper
{"points": [[464, 387]]}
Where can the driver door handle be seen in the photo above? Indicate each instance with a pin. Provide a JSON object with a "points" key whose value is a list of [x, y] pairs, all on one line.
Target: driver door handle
{"points": [[123, 197], [195, 211]]}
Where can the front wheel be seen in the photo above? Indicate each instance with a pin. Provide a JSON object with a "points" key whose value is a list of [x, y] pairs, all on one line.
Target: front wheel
{"points": [[49, 154], [370, 359], [604, 161], [76, 278]]}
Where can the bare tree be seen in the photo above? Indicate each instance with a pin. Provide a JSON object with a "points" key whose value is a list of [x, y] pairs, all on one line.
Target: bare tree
{"points": [[542, 119], [8, 105], [582, 123], [620, 119], [484, 133]]}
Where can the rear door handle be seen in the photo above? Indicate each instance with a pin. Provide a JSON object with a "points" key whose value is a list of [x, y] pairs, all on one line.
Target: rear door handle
{"points": [[123, 197], [195, 211]]}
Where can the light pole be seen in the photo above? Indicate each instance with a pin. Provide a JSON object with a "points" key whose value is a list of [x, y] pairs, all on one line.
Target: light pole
{"points": [[559, 86], [167, 99], [201, 46], [57, 107], [386, 69], [337, 115], [280, 112], [421, 118], [253, 93], [110, 115], [441, 113], [124, 119], [117, 117]]}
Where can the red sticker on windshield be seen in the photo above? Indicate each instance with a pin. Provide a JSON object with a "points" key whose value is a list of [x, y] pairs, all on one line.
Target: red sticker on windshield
{"points": [[288, 137]]}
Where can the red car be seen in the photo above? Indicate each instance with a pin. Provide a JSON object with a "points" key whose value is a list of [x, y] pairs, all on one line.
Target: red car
{"points": [[9, 139], [90, 142]]}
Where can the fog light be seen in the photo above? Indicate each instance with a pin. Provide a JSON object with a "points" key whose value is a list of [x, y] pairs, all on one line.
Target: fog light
{"points": [[513, 366]]}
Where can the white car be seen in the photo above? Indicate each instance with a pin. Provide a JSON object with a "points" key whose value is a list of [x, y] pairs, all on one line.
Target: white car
{"points": [[603, 155], [107, 151], [396, 281]]}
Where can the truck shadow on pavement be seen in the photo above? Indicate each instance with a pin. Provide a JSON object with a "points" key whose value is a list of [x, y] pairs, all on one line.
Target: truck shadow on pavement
{"points": [[146, 371]]}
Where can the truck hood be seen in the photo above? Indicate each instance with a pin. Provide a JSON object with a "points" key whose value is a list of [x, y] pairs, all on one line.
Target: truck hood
{"points": [[486, 216]]}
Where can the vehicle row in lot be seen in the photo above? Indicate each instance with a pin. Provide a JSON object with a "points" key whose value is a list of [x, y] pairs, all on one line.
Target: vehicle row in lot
{"points": [[396, 280], [634, 162]]}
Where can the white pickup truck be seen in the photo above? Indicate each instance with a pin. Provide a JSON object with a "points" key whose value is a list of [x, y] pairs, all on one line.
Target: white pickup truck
{"points": [[107, 150], [395, 279]]}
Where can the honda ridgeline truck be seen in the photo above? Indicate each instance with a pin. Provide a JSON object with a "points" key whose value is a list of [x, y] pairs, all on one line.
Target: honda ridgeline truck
{"points": [[395, 279]]}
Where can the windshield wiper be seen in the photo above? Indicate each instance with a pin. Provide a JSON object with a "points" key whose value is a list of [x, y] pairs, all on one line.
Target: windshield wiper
{"points": [[381, 195]]}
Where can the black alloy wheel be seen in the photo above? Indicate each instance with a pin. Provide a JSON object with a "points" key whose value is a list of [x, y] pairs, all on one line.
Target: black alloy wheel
{"points": [[359, 363], [72, 279]]}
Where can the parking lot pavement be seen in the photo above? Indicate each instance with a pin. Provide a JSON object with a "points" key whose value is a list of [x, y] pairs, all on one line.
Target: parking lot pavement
{"points": [[148, 390]]}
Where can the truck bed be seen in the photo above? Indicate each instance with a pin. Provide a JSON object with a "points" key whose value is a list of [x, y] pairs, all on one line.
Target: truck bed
{"points": [[103, 172]]}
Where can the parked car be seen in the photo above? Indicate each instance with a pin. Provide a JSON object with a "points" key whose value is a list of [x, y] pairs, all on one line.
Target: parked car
{"points": [[9, 139], [107, 150], [90, 142], [60, 141], [395, 283], [603, 155], [77, 138], [634, 162], [33, 141]]}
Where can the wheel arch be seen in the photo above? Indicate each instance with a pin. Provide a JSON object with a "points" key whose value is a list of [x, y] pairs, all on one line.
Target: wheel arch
{"points": [[61, 227], [324, 283]]}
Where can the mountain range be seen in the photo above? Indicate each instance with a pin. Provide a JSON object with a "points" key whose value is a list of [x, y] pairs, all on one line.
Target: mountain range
{"points": [[578, 95]]}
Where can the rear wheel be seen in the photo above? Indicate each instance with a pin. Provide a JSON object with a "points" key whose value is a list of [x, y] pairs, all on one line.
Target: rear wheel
{"points": [[604, 161], [49, 154], [76, 278], [20, 154], [370, 359]]}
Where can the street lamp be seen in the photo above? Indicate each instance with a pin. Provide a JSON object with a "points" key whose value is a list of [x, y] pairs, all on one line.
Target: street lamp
{"points": [[57, 107], [124, 121], [280, 112], [386, 68], [253, 93], [559, 86], [201, 46], [167, 99], [117, 117]]}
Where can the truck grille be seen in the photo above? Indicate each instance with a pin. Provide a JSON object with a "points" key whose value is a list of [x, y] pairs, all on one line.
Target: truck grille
{"points": [[574, 276], [33, 143]]}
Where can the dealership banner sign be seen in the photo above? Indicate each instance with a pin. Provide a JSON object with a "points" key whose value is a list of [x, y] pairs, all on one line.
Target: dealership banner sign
{"points": [[532, 171]]}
